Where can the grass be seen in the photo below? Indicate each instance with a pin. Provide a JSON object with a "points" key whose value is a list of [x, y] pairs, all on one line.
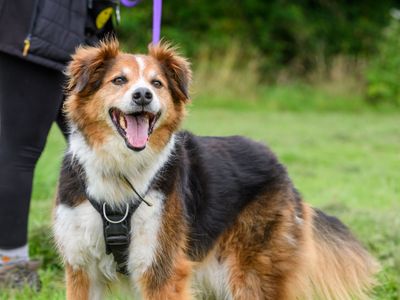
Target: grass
{"points": [[345, 163]]}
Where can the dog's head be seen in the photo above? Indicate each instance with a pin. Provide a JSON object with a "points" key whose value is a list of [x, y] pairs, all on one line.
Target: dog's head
{"points": [[139, 98]]}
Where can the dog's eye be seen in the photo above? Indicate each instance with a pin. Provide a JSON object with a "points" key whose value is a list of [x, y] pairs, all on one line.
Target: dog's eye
{"points": [[120, 80], [156, 83]]}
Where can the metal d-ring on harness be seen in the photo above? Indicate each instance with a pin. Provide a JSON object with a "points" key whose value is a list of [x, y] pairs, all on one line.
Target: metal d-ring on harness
{"points": [[115, 222], [117, 227]]}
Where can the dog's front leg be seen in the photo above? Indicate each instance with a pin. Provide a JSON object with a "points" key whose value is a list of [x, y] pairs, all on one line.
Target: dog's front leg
{"points": [[77, 283], [160, 284], [80, 286]]}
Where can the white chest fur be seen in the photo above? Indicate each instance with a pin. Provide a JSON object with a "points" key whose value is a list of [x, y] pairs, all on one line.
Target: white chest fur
{"points": [[104, 164], [79, 235], [79, 230]]}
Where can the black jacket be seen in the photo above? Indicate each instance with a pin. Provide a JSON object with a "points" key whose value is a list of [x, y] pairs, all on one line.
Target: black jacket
{"points": [[49, 30]]}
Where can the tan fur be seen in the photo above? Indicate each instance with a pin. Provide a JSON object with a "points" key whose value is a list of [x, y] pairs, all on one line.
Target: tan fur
{"points": [[341, 269], [85, 116], [88, 66], [177, 286], [271, 256], [169, 276], [85, 73], [77, 284], [262, 249], [177, 67]]}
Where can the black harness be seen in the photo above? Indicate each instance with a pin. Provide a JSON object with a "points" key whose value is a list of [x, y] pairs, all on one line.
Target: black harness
{"points": [[117, 228]]}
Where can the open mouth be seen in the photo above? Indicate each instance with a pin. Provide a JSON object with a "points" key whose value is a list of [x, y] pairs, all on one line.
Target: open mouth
{"points": [[135, 128]]}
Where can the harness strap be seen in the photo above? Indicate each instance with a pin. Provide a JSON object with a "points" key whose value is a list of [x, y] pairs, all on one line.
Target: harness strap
{"points": [[116, 229]]}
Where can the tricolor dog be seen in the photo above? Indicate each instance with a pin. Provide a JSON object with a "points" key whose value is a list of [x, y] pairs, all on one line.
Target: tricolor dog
{"points": [[172, 215]]}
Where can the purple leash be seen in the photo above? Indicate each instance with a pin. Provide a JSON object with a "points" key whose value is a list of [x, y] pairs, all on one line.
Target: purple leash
{"points": [[130, 3], [157, 11]]}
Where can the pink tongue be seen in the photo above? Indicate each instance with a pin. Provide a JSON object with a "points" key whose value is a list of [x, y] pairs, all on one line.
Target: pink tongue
{"points": [[137, 130]]}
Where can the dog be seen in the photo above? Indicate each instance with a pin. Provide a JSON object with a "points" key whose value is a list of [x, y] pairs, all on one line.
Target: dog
{"points": [[212, 217]]}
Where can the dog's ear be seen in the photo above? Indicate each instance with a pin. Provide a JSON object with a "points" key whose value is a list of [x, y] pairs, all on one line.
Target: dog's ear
{"points": [[88, 66], [176, 68]]}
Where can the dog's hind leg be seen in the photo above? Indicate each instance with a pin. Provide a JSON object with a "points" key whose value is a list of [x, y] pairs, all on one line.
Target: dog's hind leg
{"points": [[262, 249]]}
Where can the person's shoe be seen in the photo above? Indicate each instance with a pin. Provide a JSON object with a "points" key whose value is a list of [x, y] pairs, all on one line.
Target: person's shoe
{"points": [[17, 275]]}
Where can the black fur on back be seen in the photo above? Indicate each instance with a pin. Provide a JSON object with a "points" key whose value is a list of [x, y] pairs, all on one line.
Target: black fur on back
{"points": [[219, 176]]}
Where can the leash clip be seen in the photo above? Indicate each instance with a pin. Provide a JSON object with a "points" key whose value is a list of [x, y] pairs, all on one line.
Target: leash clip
{"points": [[118, 14]]}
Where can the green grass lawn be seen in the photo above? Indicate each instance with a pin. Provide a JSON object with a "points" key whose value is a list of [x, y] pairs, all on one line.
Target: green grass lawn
{"points": [[345, 163]]}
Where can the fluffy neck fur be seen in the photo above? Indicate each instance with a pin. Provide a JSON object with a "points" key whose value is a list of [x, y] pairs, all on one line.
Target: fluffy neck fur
{"points": [[104, 166]]}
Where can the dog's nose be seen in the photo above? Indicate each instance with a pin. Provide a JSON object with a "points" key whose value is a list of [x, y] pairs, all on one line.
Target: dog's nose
{"points": [[142, 96]]}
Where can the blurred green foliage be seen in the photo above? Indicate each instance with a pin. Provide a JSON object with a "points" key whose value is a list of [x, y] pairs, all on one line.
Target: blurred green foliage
{"points": [[349, 48], [383, 74], [283, 32]]}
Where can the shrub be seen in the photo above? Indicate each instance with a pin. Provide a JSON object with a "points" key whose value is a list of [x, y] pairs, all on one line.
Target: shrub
{"points": [[284, 32], [383, 74]]}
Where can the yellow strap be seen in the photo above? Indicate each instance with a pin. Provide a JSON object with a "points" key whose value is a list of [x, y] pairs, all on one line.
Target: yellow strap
{"points": [[27, 45], [103, 17]]}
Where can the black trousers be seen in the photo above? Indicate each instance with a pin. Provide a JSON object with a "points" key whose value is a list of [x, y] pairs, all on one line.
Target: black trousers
{"points": [[30, 100]]}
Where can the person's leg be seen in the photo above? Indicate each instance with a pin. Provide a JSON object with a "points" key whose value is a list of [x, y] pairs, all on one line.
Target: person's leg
{"points": [[62, 121], [30, 96]]}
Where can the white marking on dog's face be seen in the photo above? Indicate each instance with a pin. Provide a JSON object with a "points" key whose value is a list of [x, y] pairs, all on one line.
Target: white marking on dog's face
{"points": [[142, 79], [141, 64], [125, 102]]}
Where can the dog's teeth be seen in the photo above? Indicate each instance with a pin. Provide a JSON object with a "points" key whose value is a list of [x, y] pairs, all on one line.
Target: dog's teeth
{"points": [[122, 122]]}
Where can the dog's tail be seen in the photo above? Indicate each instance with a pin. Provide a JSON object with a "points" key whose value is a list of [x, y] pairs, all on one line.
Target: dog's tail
{"points": [[336, 266]]}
